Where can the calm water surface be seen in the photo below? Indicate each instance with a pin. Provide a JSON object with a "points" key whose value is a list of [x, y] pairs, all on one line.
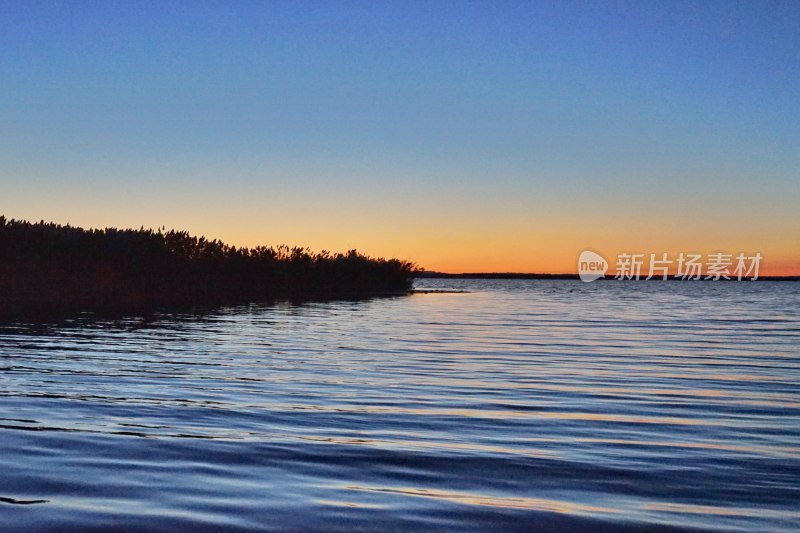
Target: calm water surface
{"points": [[520, 406]]}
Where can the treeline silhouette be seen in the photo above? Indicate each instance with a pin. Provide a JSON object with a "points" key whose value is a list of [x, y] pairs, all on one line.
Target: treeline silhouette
{"points": [[47, 269]]}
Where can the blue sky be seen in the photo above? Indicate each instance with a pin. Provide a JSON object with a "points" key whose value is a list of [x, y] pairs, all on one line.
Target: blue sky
{"points": [[402, 128]]}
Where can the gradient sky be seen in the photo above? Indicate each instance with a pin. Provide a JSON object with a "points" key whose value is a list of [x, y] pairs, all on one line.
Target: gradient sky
{"points": [[465, 136]]}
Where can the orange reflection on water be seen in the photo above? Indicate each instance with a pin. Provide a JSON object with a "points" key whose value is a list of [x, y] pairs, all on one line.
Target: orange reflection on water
{"points": [[505, 414], [741, 397], [468, 498], [429, 445]]}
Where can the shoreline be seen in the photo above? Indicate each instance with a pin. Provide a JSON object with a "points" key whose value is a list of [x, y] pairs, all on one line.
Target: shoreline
{"points": [[522, 275], [52, 270]]}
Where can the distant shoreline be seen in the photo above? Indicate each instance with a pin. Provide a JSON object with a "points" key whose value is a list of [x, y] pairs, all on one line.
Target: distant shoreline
{"points": [[522, 275]]}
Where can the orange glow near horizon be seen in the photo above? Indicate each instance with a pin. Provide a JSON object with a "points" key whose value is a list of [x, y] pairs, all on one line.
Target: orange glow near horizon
{"points": [[527, 246]]}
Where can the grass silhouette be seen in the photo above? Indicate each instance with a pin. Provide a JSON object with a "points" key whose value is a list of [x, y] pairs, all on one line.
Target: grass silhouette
{"points": [[47, 270]]}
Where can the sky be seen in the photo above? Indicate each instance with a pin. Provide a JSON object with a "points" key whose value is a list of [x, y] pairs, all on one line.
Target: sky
{"points": [[463, 136]]}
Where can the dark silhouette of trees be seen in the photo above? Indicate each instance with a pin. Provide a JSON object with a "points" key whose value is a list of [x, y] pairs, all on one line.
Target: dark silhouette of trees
{"points": [[48, 269]]}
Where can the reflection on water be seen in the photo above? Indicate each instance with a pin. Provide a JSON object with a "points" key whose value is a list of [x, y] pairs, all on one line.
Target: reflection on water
{"points": [[519, 406]]}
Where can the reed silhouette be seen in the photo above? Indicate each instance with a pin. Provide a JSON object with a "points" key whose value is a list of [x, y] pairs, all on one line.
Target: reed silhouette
{"points": [[48, 269]]}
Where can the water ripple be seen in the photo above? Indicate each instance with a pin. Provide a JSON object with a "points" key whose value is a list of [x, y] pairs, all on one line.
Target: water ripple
{"points": [[519, 406]]}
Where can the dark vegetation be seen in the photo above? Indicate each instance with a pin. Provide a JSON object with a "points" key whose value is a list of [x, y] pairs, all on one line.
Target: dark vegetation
{"points": [[50, 270]]}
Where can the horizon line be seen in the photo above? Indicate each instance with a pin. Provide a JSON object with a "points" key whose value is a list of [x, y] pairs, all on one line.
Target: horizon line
{"points": [[574, 275]]}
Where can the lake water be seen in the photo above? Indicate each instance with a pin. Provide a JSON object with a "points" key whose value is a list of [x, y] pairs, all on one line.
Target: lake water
{"points": [[519, 406]]}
